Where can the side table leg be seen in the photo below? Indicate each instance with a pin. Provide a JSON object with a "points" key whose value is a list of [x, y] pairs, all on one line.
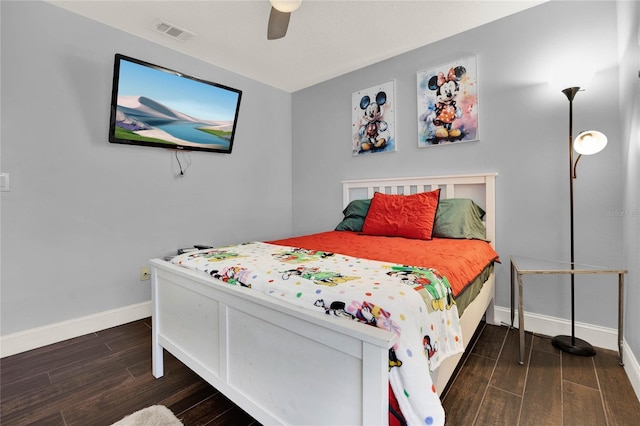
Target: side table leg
{"points": [[520, 319], [620, 316], [513, 296]]}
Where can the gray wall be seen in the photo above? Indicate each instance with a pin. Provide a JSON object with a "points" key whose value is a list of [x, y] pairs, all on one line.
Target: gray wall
{"points": [[629, 49], [523, 137], [84, 215]]}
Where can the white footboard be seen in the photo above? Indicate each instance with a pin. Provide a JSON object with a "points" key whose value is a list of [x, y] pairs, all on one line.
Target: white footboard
{"points": [[280, 363]]}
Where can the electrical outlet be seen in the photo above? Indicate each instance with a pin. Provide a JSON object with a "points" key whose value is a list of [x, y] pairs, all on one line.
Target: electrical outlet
{"points": [[5, 182], [145, 273]]}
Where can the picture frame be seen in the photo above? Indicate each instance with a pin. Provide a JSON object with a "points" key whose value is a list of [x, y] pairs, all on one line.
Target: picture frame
{"points": [[373, 119], [447, 98]]}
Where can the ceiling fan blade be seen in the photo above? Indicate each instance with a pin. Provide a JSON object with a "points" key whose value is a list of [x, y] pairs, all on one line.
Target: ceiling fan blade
{"points": [[278, 24]]}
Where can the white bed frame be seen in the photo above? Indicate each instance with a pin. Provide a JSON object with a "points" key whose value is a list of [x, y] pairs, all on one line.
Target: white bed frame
{"points": [[284, 364]]}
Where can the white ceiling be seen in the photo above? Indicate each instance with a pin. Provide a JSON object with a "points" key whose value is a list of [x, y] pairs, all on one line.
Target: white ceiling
{"points": [[325, 38]]}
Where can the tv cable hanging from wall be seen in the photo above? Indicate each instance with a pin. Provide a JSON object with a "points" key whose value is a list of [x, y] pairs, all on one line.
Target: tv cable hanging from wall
{"points": [[183, 171]]}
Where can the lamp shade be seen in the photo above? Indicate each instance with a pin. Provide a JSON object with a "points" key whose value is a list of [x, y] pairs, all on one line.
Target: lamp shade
{"points": [[285, 6], [590, 142]]}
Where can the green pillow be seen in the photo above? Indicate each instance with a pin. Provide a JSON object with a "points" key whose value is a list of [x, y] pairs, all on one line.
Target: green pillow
{"points": [[459, 218], [354, 215]]}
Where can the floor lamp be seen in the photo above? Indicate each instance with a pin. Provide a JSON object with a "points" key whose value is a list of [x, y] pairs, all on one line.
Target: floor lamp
{"points": [[586, 143]]}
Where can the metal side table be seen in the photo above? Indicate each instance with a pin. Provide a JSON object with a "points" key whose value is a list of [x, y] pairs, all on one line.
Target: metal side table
{"points": [[522, 265]]}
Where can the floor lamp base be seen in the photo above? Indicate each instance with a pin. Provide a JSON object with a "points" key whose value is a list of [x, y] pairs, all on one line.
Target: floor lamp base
{"points": [[573, 346]]}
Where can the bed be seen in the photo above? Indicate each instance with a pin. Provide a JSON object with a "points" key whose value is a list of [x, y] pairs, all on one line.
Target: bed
{"points": [[286, 364]]}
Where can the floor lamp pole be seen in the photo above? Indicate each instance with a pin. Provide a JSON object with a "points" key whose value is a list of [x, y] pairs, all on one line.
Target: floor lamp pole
{"points": [[572, 344]]}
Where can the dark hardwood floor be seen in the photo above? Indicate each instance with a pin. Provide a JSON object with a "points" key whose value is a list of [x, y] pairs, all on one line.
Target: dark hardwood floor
{"points": [[99, 378], [552, 388]]}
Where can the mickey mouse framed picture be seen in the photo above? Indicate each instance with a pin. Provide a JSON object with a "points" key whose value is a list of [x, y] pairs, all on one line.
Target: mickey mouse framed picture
{"points": [[373, 119], [448, 103]]}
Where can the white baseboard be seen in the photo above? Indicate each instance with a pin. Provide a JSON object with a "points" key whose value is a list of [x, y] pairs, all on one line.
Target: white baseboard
{"points": [[23, 341], [632, 367], [600, 337]]}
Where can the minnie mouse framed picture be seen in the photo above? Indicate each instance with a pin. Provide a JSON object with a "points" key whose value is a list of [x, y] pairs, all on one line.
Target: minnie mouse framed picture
{"points": [[448, 103]]}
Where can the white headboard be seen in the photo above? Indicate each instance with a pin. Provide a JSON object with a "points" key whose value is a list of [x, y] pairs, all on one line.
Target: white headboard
{"points": [[478, 187]]}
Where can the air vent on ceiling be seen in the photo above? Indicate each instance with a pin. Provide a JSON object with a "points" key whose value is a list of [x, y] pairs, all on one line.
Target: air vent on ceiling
{"points": [[172, 31]]}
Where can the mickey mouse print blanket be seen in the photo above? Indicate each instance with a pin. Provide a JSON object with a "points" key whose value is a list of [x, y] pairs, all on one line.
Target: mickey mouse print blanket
{"points": [[415, 303]]}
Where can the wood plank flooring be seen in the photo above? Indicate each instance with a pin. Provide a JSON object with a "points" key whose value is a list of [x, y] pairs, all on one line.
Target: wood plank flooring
{"points": [[99, 378], [552, 388]]}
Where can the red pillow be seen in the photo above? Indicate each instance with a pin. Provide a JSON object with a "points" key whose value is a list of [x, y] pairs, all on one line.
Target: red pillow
{"points": [[409, 216]]}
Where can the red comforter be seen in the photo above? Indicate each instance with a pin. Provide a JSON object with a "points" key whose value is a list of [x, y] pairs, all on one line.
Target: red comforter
{"points": [[461, 261]]}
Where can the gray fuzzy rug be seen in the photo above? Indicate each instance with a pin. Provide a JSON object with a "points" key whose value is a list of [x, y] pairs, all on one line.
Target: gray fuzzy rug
{"points": [[156, 415]]}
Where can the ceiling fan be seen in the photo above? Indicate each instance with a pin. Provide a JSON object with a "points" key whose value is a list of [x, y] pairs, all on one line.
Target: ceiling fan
{"points": [[279, 17]]}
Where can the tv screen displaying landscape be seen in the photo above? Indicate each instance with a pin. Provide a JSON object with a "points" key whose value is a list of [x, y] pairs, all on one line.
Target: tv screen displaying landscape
{"points": [[156, 106]]}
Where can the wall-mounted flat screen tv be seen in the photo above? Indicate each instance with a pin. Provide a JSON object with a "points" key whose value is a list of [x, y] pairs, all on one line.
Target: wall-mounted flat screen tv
{"points": [[159, 107]]}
